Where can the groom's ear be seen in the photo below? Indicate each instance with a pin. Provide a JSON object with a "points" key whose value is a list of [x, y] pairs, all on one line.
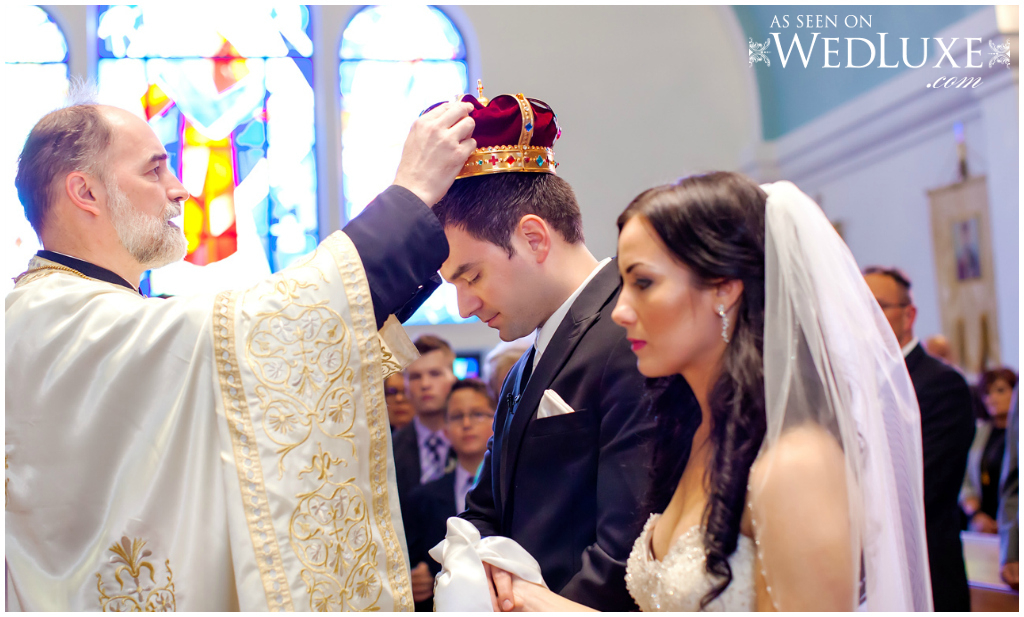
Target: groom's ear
{"points": [[535, 231], [728, 293]]}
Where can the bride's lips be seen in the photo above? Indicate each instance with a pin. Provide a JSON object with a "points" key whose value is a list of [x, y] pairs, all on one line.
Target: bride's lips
{"points": [[636, 344]]}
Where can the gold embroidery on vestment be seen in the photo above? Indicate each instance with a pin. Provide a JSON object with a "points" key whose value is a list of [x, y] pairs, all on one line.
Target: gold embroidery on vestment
{"points": [[330, 532], [247, 461], [300, 356], [138, 591], [371, 385]]}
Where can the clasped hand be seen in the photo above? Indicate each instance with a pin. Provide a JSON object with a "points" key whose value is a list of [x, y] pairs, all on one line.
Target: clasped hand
{"points": [[438, 145], [511, 593]]}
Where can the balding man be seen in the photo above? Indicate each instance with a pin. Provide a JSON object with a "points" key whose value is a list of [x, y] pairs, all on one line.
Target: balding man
{"points": [[947, 427], [215, 452]]}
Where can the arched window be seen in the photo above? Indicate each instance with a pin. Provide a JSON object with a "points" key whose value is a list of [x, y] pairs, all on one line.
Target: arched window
{"points": [[229, 92], [395, 61], [36, 82]]}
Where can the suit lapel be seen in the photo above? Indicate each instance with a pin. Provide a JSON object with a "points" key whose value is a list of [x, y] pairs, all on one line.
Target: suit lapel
{"points": [[583, 314]]}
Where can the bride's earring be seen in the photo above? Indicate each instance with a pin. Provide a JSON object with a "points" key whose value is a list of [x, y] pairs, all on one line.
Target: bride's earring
{"points": [[725, 322]]}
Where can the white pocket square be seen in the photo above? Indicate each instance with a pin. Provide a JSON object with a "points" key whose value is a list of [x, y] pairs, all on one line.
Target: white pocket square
{"points": [[552, 405]]}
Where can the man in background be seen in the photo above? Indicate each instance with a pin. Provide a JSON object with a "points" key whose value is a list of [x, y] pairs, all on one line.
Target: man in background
{"points": [[422, 449], [467, 423], [947, 428]]}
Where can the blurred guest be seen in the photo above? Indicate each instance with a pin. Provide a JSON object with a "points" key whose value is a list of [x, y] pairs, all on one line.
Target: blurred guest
{"points": [[1009, 517], [947, 428], [421, 448], [400, 410], [501, 359], [938, 347], [979, 496], [468, 425]]}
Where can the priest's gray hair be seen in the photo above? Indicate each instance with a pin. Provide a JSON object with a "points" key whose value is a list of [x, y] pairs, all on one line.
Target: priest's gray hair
{"points": [[68, 139]]}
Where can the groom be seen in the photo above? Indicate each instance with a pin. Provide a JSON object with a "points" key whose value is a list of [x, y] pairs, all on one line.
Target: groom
{"points": [[568, 466]]}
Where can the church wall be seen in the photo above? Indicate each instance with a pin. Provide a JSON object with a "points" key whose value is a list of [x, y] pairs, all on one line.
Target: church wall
{"points": [[872, 160]]}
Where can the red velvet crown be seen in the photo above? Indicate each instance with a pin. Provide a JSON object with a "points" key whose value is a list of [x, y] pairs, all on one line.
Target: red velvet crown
{"points": [[513, 133]]}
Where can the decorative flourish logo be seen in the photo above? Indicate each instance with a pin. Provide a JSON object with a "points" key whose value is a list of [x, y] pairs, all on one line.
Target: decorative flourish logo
{"points": [[758, 52], [1000, 54]]}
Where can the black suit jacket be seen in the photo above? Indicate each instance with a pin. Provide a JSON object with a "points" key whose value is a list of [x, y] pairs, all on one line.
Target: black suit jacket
{"points": [[947, 429], [401, 245], [568, 488], [426, 514]]}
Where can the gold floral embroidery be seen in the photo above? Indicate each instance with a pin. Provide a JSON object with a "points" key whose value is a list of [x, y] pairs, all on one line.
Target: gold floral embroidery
{"points": [[330, 535], [300, 356], [370, 383], [138, 591]]}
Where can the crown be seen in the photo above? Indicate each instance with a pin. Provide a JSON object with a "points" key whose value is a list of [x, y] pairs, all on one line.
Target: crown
{"points": [[513, 134]]}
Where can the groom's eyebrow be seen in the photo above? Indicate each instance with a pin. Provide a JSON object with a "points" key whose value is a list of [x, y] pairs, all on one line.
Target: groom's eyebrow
{"points": [[462, 270]]}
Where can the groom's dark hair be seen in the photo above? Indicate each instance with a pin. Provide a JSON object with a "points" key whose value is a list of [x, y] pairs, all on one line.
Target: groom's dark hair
{"points": [[489, 207]]}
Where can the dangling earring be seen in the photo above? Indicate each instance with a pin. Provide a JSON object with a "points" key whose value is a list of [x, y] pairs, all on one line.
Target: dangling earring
{"points": [[725, 322]]}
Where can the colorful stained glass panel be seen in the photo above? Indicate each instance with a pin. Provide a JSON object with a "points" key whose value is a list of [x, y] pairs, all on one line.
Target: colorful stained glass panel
{"points": [[233, 104], [395, 62]]}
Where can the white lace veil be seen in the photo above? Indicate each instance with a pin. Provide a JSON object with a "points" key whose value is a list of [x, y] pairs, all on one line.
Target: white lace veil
{"points": [[831, 358]]}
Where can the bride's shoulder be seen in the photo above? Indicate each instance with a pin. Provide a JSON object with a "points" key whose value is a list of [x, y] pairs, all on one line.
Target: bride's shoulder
{"points": [[799, 449], [803, 459]]}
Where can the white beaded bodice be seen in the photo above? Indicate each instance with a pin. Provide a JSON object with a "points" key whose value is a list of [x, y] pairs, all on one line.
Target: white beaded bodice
{"points": [[679, 581]]}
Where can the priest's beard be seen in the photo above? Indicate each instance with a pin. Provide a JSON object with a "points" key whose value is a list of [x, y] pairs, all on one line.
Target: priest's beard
{"points": [[152, 240]]}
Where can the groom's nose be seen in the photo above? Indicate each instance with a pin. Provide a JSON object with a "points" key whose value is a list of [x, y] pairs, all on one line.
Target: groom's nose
{"points": [[468, 303]]}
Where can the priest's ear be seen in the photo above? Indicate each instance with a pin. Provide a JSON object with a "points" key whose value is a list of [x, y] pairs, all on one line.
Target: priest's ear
{"points": [[85, 192]]}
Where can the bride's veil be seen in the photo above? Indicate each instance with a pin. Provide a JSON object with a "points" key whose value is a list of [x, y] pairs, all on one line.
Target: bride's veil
{"points": [[830, 358]]}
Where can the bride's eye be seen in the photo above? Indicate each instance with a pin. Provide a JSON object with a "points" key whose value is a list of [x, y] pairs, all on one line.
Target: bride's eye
{"points": [[641, 283]]}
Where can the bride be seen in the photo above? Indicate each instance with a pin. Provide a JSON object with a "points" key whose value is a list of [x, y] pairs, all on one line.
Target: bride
{"points": [[802, 487]]}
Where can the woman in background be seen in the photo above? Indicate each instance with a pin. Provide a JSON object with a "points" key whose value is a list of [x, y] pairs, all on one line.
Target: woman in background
{"points": [[400, 409], [979, 497], [802, 487]]}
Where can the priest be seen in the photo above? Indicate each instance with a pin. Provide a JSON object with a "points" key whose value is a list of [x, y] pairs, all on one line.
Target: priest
{"points": [[216, 452]]}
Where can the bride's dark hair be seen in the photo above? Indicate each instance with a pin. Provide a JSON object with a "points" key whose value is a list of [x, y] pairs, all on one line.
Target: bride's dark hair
{"points": [[714, 225]]}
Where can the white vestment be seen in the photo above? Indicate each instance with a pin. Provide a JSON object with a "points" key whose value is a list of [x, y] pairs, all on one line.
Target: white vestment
{"points": [[202, 453]]}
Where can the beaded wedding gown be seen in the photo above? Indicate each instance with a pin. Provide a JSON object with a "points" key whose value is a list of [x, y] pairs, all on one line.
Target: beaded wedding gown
{"points": [[679, 581]]}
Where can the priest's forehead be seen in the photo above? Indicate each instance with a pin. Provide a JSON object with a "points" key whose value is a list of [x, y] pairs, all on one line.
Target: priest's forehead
{"points": [[132, 140]]}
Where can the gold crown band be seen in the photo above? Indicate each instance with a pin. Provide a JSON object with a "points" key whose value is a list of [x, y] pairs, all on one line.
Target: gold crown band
{"points": [[526, 133], [498, 159]]}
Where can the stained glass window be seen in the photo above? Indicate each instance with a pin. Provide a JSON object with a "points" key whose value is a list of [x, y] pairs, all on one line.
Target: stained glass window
{"points": [[36, 82], [229, 91], [395, 61]]}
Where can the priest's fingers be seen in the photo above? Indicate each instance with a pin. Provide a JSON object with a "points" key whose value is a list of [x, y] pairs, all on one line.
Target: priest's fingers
{"points": [[435, 151], [463, 130]]}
